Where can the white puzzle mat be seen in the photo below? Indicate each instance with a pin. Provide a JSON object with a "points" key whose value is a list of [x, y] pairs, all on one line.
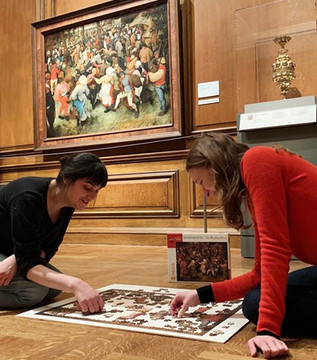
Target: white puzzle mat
{"points": [[147, 309]]}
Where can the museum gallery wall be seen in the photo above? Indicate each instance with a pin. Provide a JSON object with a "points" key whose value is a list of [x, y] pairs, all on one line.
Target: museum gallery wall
{"points": [[148, 185]]}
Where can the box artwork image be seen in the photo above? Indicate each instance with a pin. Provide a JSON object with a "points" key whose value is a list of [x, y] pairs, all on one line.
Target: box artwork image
{"points": [[198, 257]]}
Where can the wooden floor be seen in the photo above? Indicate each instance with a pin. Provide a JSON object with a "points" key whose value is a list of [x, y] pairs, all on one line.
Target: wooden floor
{"points": [[102, 265]]}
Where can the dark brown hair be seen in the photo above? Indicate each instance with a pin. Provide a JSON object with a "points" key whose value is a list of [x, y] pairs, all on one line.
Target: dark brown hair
{"points": [[221, 153], [82, 166]]}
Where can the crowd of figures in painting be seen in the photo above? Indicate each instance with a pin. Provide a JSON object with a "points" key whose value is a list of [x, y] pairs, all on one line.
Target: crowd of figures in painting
{"points": [[202, 261], [110, 75]]}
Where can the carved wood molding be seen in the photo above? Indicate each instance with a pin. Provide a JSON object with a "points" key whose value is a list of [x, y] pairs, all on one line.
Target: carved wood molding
{"points": [[108, 160], [49, 9], [147, 230], [137, 195], [16, 149], [45, 9], [144, 236], [196, 203]]}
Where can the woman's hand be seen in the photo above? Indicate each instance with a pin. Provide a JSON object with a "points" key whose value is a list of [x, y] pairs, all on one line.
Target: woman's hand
{"points": [[89, 299], [182, 301], [268, 345], [8, 268]]}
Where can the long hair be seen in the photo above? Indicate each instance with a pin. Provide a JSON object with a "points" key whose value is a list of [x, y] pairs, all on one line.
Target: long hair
{"points": [[82, 166], [223, 155]]}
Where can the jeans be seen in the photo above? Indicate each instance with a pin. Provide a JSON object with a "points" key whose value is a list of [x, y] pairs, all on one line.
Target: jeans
{"points": [[22, 293], [160, 93], [300, 304]]}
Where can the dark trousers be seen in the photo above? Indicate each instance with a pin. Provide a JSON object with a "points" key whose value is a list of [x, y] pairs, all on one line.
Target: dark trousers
{"points": [[300, 304]]}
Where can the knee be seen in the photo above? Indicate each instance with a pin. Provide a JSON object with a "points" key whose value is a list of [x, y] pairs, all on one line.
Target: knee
{"points": [[303, 277], [250, 305], [52, 293], [32, 294]]}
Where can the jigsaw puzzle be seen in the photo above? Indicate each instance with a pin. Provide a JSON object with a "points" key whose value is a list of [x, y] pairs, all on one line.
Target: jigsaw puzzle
{"points": [[146, 309]]}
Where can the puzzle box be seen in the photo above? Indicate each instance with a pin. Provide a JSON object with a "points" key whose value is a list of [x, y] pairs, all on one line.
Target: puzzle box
{"points": [[197, 257]]}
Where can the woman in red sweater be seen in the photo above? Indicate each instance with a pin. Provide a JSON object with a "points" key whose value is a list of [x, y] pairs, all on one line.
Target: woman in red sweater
{"points": [[279, 188]]}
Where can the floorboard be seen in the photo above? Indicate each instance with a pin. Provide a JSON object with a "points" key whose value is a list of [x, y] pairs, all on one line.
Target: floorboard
{"points": [[102, 265]]}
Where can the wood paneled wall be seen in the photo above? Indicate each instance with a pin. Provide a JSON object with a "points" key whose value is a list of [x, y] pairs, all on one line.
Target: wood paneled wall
{"points": [[212, 48], [16, 109], [152, 197], [149, 191]]}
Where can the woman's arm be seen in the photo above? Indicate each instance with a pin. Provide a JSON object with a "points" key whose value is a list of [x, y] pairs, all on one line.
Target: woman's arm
{"points": [[88, 298], [266, 178]]}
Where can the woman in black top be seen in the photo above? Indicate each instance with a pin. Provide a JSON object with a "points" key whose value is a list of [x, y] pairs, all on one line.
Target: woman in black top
{"points": [[34, 215]]}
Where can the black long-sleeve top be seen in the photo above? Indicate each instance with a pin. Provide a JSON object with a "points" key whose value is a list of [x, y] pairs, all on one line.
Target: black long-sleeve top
{"points": [[25, 225]]}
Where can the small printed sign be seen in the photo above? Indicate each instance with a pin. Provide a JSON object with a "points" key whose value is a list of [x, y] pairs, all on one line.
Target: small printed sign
{"points": [[208, 89], [278, 117]]}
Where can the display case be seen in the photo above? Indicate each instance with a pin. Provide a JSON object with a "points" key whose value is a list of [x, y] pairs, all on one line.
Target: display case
{"points": [[256, 28]]}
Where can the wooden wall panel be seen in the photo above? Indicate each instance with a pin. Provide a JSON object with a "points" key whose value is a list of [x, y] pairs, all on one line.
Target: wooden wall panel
{"points": [[65, 6], [153, 196], [213, 50], [138, 195], [197, 203], [152, 191], [16, 109]]}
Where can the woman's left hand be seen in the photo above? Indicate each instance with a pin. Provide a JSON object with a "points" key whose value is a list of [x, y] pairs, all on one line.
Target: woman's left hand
{"points": [[8, 268], [268, 345]]}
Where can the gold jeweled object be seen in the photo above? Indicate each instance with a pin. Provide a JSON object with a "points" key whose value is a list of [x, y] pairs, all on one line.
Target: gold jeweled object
{"points": [[284, 67]]}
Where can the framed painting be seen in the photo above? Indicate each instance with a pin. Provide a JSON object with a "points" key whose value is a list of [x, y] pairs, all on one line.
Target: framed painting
{"points": [[107, 74]]}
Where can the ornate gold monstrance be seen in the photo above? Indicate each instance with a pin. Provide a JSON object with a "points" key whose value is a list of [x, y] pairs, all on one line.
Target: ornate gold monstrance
{"points": [[284, 67]]}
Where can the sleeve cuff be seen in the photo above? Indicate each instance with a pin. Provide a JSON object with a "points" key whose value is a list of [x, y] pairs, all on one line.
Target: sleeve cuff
{"points": [[25, 268], [206, 294], [266, 332]]}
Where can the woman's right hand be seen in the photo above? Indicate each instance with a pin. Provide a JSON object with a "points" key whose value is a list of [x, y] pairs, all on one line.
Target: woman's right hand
{"points": [[8, 268], [89, 299], [182, 301]]}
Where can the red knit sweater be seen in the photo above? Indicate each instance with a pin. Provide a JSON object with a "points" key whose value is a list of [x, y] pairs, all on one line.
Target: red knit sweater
{"points": [[283, 205]]}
